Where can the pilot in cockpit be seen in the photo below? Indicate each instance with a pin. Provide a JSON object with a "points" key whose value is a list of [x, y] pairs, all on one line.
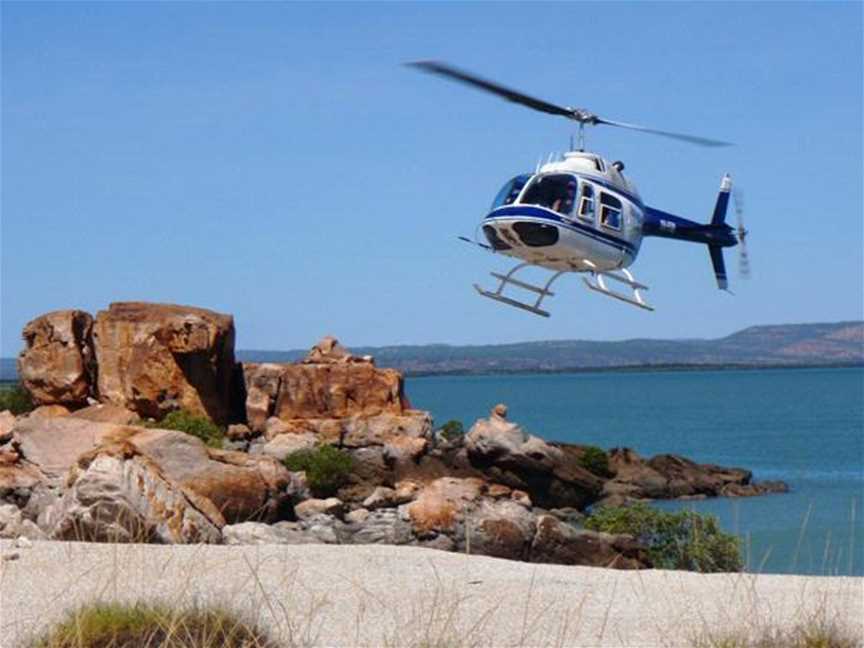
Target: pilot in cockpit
{"points": [[564, 203]]}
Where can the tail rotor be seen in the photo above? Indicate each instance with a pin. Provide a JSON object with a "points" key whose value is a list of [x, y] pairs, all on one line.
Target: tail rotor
{"points": [[741, 232]]}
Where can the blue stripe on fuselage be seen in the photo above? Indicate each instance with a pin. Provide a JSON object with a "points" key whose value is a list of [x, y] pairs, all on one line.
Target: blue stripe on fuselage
{"points": [[541, 213]]}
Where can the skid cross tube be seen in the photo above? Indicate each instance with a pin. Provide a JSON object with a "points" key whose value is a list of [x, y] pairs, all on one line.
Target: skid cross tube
{"points": [[598, 284], [508, 279]]}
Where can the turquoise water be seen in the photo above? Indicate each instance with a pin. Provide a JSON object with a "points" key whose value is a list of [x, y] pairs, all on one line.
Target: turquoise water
{"points": [[804, 426]]}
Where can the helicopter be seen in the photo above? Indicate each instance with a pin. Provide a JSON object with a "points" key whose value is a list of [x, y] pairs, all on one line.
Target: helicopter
{"points": [[578, 213]]}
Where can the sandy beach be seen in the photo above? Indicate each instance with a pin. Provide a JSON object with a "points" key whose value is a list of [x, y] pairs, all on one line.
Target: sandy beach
{"points": [[320, 595]]}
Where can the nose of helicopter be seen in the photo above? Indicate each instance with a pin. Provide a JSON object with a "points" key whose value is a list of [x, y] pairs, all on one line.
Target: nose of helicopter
{"points": [[504, 236]]}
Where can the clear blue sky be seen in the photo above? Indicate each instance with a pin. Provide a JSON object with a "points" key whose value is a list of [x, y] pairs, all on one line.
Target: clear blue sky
{"points": [[277, 162]]}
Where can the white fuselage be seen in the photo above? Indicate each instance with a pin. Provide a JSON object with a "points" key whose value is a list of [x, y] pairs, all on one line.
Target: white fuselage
{"points": [[579, 213]]}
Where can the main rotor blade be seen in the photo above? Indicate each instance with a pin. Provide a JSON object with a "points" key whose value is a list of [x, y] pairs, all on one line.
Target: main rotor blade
{"points": [[702, 141], [445, 70]]}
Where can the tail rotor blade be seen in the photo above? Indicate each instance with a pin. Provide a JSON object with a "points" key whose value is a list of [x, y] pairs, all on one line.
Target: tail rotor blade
{"points": [[741, 231]]}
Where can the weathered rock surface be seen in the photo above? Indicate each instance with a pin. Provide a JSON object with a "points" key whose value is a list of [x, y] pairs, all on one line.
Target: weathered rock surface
{"points": [[14, 525], [557, 542], [49, 411], [57, 364], [53, 445], [260, 533], [116, 494], [329, 384], [242, 487], [313, 507], [18, 479], [7, 422], [107, 413], [284, 445], [154, 358], [508, 455]]}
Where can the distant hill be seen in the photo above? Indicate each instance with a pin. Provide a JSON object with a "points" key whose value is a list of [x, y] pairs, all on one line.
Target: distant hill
{"points": [[840, 343]]}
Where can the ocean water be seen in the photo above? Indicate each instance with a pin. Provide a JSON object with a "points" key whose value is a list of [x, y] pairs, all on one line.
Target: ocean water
{"points": [[804, 426]]}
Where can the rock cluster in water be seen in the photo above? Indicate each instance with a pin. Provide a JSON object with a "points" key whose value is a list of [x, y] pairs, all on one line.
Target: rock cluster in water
{"points": [[82, 465]]}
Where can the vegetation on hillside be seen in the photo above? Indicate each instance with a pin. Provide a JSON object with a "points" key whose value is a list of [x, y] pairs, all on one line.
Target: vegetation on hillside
{"points": [[327, 468], [682, 540]]}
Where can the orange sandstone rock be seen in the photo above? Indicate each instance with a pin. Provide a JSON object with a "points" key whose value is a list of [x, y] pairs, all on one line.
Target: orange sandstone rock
{"points": [[154, 358]]}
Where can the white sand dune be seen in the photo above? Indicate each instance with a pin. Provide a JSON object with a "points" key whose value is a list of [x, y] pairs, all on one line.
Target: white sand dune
{"points": [[320, 595]]}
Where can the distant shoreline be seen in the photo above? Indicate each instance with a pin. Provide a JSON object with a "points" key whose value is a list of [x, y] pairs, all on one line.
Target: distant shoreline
{"points": [[658, 368], [670, 368]]}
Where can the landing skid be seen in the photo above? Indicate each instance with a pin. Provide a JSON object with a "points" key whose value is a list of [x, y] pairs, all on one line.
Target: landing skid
{"points": [[597, 283]]}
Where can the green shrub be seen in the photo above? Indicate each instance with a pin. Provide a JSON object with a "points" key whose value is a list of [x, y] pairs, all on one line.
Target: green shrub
{"points": [[16, 399], [115, 625], [197, 426], [682, 540], [452, 430], [595, 460], [327, 468]]}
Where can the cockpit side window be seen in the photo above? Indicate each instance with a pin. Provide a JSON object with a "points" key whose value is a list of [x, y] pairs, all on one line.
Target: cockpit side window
{"points": [[510, 191], [586, 204], [610, 211], [555, 191]]}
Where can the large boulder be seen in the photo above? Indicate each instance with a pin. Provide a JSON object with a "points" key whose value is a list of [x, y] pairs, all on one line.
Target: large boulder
{"points": [[557, 542], [507, 454], [154, 358], [115, 494], [56, 366], [242, 487]]}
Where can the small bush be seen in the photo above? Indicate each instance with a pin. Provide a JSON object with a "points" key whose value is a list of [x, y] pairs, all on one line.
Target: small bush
{"points": [[16, 399], [327, 468], [197, 426], [452, 430], [682, 540], [595, 460], [114, 625]]}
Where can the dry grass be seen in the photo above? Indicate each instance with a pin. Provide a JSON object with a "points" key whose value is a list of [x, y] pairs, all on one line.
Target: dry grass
{"points": [[817, 632], [153, 625]]}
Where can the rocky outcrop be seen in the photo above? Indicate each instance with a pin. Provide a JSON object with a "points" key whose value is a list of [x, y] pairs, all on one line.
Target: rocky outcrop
{"points": [[75, 468], [511, 456], [57, 364], [116, 494], [466, 515], [329, 383], [673, 477], [155, 358]]}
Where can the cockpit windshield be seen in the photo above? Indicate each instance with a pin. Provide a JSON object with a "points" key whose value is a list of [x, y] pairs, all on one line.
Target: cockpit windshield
{"points": [[557, 191], [510, 191]]}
